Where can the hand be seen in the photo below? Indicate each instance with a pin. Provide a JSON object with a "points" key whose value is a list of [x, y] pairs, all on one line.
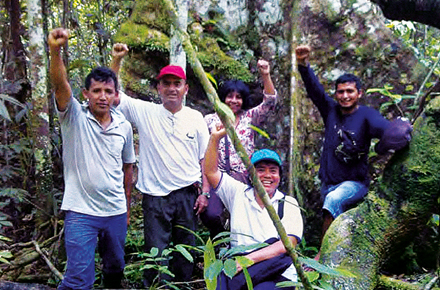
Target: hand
{"points": [[303, 54], [57, 38], [218, 131], [201, 204], [119, 50], [263, 67]]}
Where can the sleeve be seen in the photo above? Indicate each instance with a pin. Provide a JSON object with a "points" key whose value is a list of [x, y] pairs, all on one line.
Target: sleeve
{"points": [[292, 219], [377, 123], [128, 154], [228, 188], [397, 136], [68, 115], [315, 90], [203, 137], [259, 113], [129, 107]]}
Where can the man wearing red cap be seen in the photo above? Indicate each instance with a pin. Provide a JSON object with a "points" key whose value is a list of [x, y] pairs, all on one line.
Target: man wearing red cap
{"points": [[172, 143]]}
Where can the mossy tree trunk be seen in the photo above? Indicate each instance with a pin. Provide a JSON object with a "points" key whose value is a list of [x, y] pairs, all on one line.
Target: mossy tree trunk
{"points": [[39, 130], [394, 211]]}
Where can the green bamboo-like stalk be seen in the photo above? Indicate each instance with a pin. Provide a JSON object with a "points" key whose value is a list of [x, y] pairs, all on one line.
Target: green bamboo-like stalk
{"points": [[227, 118]]}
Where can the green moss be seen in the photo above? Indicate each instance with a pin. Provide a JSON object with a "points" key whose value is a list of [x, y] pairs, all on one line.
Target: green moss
{"points": [[213, 58], [152, 13], [143, 37]]}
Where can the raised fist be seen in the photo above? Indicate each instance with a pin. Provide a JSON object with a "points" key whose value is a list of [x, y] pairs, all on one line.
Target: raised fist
{"points": [[263, 67], [302, 53], [58, 38], [119, 50]]}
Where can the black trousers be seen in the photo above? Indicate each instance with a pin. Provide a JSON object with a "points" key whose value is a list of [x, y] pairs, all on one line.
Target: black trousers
{"points": [[161, 215]]}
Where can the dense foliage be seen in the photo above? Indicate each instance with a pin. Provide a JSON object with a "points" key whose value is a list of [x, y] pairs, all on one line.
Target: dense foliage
{"points": [[93, 25]]}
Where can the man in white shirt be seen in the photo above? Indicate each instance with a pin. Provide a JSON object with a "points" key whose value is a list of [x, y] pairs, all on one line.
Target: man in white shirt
{"points": [[172, 144]]}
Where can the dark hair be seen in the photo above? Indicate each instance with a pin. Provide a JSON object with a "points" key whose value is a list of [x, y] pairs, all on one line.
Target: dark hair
{"points": [[235, 86], [349, 78], [101, 74]]}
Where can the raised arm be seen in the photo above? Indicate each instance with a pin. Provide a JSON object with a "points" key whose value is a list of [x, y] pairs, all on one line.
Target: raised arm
{"points": [[212, 172], [264, 70], [57, 72], [119, 50]]}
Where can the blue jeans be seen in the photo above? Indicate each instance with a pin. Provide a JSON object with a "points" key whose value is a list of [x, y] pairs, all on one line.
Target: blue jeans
{"points": [[341, 197], [82, 233]]}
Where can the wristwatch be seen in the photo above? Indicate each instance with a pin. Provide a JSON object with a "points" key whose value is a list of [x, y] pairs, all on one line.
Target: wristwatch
{"points": [[207, 194]]}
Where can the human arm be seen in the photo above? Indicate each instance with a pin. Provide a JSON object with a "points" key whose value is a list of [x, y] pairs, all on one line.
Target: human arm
{"points": [[212, 171], [314, 88], [202, 200], [264, 70], [57, 72], [268, 252], [119, 50], [127, 168], [259, 114], [397, 136]]}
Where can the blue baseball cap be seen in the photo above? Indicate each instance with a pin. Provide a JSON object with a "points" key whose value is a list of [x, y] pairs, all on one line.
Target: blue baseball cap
{"points": [[266, 155]]}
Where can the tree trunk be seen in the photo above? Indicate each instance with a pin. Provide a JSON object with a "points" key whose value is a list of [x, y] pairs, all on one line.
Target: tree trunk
{"points": [[39, 129], [423, 11], [393, 212], [14, 54]]}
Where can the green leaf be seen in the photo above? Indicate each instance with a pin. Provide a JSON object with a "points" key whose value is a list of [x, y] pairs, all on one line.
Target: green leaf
{"points": [[324, 269], [147, 266], [181, 249], [230, 268], [6, 224], [243, 261], [11, 100], [259, 131], [4, 261], [6, 254], [154, 252], [4, 111], [312, 276], [287, 284], [212, 80], [2, 238], [213, 270], [326, 286], [243, 249]]}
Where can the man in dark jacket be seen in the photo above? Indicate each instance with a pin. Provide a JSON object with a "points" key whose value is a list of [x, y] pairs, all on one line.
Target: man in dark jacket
{"points": [[349, 128]]}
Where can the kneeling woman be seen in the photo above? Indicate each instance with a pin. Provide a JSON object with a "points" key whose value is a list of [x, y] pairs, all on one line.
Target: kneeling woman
{"points": [[250, 221]]}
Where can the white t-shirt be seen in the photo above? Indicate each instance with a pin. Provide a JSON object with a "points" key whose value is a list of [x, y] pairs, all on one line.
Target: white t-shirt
{"points": [[170, 145], [93, 159], [251, 224]]}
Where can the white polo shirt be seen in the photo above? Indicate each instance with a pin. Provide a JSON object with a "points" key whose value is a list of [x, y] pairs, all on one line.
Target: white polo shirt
{"points": [[251, 224], [93, 158], [170, 145]]}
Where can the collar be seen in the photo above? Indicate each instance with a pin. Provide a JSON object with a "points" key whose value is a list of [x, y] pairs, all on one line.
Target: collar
{"points": [[117, 117]]}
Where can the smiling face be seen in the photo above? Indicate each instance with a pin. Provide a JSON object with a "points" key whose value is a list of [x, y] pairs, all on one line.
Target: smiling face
{"points": [[101, 96], [234, 101], [347, 96], [171, 90], [269, 175]]}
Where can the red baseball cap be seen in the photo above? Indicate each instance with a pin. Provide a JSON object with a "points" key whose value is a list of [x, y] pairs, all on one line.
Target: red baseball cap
{"points": [[174, 70]]}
